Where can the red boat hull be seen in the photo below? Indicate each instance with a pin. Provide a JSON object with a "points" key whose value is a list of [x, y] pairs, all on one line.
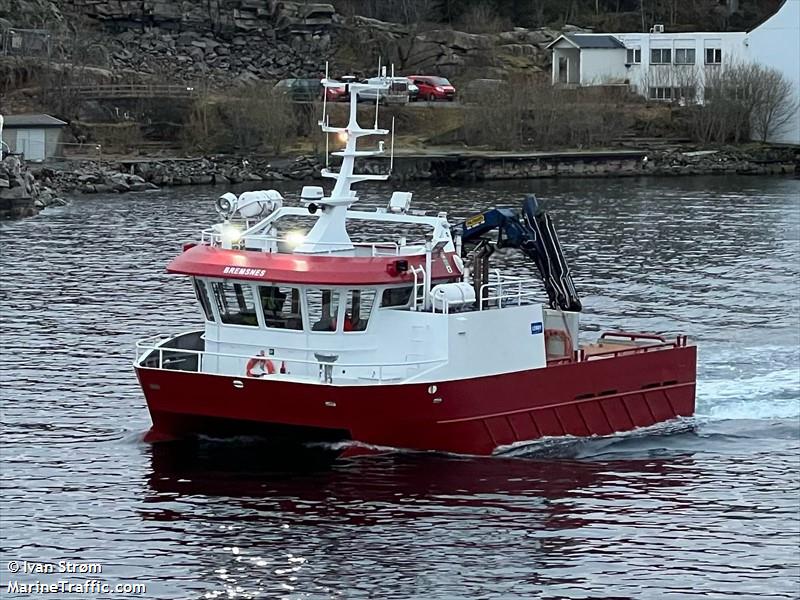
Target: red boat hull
{"points": [[470, 416]]}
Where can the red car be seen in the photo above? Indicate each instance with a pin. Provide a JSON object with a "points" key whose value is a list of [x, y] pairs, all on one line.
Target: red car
{"points": [[433, 88], [337, 94]]}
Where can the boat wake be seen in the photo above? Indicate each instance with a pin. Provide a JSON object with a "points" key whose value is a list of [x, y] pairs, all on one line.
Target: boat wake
{"points": [[774, 395], [644, 438]]}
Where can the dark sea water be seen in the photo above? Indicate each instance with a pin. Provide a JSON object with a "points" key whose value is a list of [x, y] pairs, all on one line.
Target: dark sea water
{"points": [[707, 508]]}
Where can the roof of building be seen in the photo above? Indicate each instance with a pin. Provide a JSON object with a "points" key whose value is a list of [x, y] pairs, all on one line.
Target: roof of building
{"points": [[584, 40], [32, 120]]}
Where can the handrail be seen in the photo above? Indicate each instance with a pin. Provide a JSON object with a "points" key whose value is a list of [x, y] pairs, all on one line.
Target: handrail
{"points": [[631, 350], [632, 336], [580, 355], [144, 350], [516, 283], [213, 238], [415, 290]]}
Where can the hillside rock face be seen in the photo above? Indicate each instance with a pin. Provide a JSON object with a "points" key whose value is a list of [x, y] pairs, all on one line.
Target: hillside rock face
{"points": [[218, 41], [225, 17], [223, 42]]}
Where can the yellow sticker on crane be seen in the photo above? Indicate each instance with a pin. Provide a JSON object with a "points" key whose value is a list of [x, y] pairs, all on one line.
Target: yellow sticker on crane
{"points": [[475, 221]]}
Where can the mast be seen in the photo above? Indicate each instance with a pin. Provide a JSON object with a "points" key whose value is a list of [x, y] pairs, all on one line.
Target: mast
{"points": [[329, 233]]}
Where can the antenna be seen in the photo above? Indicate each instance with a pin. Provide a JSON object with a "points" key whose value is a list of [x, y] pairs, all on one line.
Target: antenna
{"points": [[391, 155], [327, 142], [325, 92]]}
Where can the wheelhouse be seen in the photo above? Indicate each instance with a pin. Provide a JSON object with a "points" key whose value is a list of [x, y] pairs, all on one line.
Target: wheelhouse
{"points": [[288, 308]]}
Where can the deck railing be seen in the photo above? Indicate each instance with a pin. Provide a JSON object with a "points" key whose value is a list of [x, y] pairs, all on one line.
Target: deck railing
{"points": [[507, 290], [152, 353], [653, 343], [211, 237]]}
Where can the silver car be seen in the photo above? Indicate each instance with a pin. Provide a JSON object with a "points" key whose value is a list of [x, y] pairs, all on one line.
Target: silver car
{"points": [[400, 91]]}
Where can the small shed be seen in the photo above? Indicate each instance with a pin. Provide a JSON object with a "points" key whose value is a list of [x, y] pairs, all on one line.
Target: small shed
{"points": [[36, 136], [588, 59]]}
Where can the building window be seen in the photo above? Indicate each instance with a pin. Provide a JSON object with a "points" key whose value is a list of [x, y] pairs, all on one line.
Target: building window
{"points": [[202, 297], [686, 93], [281, 306], [357, 310], [323, 309], [634, 56], [660, 56], [661, 93], [684, 56], [236, 303], [713, 56]]}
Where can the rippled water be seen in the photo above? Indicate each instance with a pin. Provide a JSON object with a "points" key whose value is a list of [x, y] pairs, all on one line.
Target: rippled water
{"points": [[707, 508]]}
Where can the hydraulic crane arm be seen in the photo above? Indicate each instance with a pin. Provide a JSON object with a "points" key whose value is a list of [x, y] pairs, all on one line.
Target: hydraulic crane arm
{"points": [[535, 236]]}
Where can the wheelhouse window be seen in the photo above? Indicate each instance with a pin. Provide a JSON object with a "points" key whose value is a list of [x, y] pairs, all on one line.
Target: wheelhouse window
{"points": [[281, 306], [634, 56], [235, 302], [358, 309], [201, 291], [660, 56], [398, 297], [713, 56], [684, 56], [323, 309]]}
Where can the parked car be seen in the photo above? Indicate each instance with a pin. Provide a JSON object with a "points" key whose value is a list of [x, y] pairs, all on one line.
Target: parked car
{"points": [[413, 91], [432, 88], [340, 93], [398, 92], [300, 90]]}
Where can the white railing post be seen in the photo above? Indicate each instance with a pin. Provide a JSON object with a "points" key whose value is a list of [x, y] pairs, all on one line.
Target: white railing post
{"points": [[426, 300]]}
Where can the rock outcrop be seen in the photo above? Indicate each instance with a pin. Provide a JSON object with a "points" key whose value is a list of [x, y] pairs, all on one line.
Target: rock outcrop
{"points": [[449, 52], [223, 42], [218, 42], [22, 194]]}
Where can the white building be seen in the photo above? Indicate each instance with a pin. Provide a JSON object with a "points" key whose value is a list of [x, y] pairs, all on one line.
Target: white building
{"points": [[673, 66], [36, 136]]}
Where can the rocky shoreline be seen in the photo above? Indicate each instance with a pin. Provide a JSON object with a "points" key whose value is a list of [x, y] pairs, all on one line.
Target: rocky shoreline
{"points": [[22, 194], [89, 177], [472, 166], [26, 189]]}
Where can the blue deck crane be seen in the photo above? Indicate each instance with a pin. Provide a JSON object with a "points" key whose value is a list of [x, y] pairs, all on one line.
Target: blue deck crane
{"points": [[532, 233]]}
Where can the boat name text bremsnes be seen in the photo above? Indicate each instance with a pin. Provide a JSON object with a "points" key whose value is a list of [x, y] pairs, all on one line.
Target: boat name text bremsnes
{"points": [[244, 271]]}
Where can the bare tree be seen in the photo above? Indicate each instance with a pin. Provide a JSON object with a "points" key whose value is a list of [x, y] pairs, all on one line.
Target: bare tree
{"points": [[534, 114], [777, 105], [742, 101]]}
